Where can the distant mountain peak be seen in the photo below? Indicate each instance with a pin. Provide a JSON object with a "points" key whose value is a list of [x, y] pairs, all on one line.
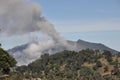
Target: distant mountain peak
{"points": [[81, 41]]}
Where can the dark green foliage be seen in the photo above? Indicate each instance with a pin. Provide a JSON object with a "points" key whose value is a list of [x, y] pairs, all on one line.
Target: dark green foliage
{"points": [[89, 74], [95, 67], [6, 70], [108, 55], [118, 55], [67, 65], [98, 64], [6, 61], [0, 44], [105, 68], [22, 69], [108, 77], [116, 70]]}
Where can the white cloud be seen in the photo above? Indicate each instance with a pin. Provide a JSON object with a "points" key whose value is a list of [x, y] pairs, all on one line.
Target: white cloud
{"points": [[106, 25]]}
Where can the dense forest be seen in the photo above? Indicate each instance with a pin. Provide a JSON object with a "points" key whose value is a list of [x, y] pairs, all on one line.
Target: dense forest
{"points": [[70, 65], [66, 65]]}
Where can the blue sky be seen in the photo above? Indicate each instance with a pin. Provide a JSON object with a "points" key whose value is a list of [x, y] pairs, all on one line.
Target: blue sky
{"points": [[91, 20]]}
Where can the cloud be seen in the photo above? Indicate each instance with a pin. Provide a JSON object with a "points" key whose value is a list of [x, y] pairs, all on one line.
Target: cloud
{"points": [[83, 26]]}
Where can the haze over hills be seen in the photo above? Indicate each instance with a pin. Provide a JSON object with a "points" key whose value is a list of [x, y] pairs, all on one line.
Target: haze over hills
{"points": [[79, 45], [24, 58]]}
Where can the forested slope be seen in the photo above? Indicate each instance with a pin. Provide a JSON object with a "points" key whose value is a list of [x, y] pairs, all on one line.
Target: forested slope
{"points": [[71, 65]]}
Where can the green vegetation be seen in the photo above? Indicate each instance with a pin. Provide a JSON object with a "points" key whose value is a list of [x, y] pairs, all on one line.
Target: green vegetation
{"points": [[70, 65], [67, 65], [6, 62]]}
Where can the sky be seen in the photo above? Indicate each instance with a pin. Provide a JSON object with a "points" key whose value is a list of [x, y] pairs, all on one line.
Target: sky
{"points": [[90, 20]]}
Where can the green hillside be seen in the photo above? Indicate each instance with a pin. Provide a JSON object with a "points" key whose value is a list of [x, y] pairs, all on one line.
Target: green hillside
{"points": [[6, 62], [71, 65]]}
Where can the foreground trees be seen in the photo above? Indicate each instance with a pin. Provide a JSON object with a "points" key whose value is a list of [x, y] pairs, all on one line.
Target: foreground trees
{"points": [[71, 65], [6, 61]]}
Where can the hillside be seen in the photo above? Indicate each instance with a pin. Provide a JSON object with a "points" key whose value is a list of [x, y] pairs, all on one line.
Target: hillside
{"points": [[79, 45], [70, 65], [6, 62], [24, 57]]}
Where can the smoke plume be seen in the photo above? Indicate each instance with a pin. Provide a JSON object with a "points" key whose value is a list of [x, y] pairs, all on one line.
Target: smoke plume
{"points": [[19, 17]]}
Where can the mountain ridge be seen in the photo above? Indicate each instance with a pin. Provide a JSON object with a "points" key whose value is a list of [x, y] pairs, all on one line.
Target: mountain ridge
{"points": [[24, 56], [91, 45], [80, 44]]}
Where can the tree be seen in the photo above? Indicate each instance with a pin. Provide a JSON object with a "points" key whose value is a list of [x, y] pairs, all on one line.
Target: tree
{"points": [[6, 61], [108, 77], [22, 68], [98, 64], [118, 54], [0, 44], [105, 68], [108, 55]]}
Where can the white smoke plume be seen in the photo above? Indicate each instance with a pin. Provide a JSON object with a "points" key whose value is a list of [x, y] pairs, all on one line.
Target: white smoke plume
{"points": [[32, 52], [19, 17]]}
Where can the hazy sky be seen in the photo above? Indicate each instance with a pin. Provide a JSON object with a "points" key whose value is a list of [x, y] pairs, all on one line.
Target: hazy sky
{"points": [[90, 20]]}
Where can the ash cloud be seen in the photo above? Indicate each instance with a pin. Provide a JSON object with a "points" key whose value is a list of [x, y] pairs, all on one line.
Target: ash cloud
{"points": [[19, 17]]}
